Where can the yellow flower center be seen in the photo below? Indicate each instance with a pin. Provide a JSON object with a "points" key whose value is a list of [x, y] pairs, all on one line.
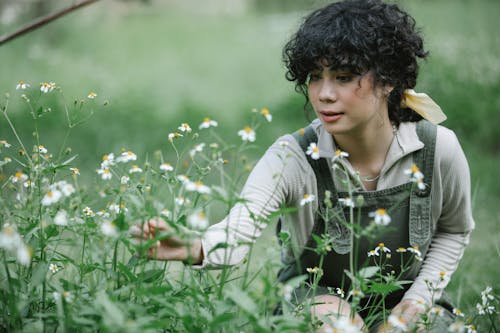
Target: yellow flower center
{"points": [[206, 120], [414, 168], [442, 273], [381, 245], [381, 211], [106, 171], [302, 131], [19, 174], [201, 215], [264, 111], [315, 149], [306, 196], [105, 158], [198, 183], [248, 129], [50, 194]]}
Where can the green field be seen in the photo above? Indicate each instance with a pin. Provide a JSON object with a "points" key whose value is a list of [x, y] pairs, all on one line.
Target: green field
{"points": [[155, 66]]}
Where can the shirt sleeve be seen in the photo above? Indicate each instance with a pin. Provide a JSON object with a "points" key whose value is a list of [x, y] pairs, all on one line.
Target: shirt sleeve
{"points": [[454, 223], [265, 192]]}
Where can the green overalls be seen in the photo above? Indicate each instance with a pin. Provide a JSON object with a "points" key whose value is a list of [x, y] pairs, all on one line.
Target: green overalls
{"points": [[408, 207]]}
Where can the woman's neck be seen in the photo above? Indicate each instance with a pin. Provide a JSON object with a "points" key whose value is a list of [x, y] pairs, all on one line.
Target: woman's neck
{"points": [[368, 148]]}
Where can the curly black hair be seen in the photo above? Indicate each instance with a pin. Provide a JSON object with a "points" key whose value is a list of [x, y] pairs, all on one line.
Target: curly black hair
{"points": [[360, 36]]}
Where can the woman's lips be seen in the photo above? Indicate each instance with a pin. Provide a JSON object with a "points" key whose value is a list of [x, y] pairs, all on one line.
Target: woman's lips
{"points": [[330, 116]]}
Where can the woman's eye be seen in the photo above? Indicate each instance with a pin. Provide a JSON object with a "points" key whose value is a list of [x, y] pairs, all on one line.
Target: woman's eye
{"points": [[344, 78], [314, 77]]}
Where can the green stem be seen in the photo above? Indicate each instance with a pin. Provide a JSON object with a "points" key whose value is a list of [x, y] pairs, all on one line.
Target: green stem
{"points": [[16, 135]]}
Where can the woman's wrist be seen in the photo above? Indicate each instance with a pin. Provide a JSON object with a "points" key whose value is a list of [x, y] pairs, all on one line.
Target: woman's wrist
{"points": [[194, 253]]}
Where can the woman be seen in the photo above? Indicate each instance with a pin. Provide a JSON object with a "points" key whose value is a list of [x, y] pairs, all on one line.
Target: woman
{"points": [[356, 64]]}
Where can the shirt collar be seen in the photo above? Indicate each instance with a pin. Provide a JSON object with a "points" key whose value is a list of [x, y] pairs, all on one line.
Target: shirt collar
{"points": [[405, 142]]}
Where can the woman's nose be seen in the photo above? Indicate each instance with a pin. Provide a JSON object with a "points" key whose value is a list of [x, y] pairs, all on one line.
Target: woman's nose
{"points": [[327, 91]]}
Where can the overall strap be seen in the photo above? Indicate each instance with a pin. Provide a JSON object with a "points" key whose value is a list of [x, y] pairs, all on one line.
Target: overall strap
{"points": [[420, 200], [337, 226]]}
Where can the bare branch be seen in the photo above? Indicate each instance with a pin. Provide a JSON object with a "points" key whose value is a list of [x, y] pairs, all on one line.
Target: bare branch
{"points": [[39, 22]]}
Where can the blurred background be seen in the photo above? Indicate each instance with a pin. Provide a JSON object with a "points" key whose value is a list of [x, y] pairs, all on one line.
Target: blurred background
{"points": [[159, 63]]}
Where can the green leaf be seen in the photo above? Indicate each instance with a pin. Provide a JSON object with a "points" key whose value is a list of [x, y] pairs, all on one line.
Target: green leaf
{"points": [[383, 288], [368, 272], [151, 275], [242, 300], [111, 311]]}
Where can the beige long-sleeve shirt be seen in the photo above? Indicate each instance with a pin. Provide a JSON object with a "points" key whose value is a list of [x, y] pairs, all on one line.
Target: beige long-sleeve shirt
{"points": [[283, 175]]}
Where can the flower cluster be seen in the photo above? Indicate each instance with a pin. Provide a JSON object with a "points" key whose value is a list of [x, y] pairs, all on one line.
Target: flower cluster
{"points": [[56, 192], [487, 305], [10, 240], [416, 176]]}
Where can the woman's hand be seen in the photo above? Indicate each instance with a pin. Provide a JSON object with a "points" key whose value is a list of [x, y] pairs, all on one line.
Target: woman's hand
{"points": [[408, 313], [170, 247]]}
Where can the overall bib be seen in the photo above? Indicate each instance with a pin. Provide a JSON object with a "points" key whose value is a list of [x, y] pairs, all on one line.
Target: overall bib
{"points": [[411, 225]]}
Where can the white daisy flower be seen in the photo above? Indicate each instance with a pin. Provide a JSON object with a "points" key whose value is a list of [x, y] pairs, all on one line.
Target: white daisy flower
{"points": [[196, 149], [197, 221], [172, 136], [65, 188], [381, 247], [380, 217], [307, 199], [247, 134], [135, 169], [23, 255], [197, 187], [124, 180], [346, 202], [345, 325], [105, 173], [180, 200], [117, 208], [167, 213], [108, 228], [68, 297], [75, 171], [51, 197], [53, 268], [266, 114], [9, 238], [313, 150], [61, 218], [339, 154], [340, 292], [87, 211], [373, 253], [183, 179], [184, 128], [166, 167], [397, 322], [108, 160], [471, 329], [207, 122], [42, 149], [47, 87], [22, 85], [102, 213], [92, 95], [126, 156], [415, 250], [4, 143], [19, 177]]}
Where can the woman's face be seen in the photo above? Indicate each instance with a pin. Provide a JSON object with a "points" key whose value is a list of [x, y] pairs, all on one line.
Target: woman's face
{"points": [[347, 103]]}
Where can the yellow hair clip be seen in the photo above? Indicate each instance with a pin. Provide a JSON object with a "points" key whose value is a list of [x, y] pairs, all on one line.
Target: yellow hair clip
{"points": [[423, 105]]}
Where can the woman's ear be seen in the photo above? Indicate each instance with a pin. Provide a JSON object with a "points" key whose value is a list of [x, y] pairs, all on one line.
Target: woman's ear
{"points": [[388, 89]]}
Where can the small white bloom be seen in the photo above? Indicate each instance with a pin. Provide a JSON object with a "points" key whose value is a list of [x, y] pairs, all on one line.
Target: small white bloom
{"points": [[185, 128], [339, 154], [51, 197], [183, 179], [172, 136], [207, 122], [266, 114], [68, 297], [197, 221], [380, 217], [108, 228], [87, 211], [135, 169], [117, 209], [9, 238], [126, 156], [53, 268], [92, 95], [180, 200], [397, 322], [340, 292], [61, 218], [22, 85], [381, 247], [108, 160], [166, 167], [56, 296], [458, 312], [23, 255], [197, 187], [471, 329], [19, 177], [196, 149], [247, 134], [75, 171], [345, 325], [307, 199], [4, 143], [105, 173], [415, 250], [457, 327], [346, 202], [167, 213], [313, 270], [65, 188], [124, 180], [47, 87], [313, 150], [103, 213], [42, 149], [287, 292], [373, 253]]}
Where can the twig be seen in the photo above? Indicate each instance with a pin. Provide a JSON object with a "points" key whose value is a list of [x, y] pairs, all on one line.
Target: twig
{"points": [[41, 21]]}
